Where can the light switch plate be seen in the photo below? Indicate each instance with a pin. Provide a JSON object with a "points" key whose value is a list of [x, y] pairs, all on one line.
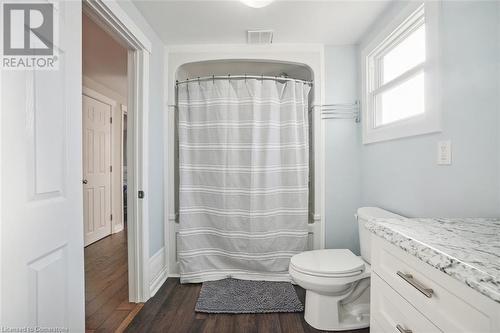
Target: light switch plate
{"points": [[444, 153]]}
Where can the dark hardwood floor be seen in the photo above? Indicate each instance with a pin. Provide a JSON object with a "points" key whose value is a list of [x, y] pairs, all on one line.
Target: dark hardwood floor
{"points": [[172, 310], [107, 308]]}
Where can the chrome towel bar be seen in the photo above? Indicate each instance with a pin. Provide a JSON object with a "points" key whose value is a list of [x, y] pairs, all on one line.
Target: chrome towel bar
{"points": [[339, 111]]}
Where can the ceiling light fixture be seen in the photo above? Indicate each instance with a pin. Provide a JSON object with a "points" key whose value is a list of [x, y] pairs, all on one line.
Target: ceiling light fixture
{"points": [[257, 3]]}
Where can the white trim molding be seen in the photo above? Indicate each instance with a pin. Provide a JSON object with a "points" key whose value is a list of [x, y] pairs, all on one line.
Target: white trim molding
{"points": [[158, 271], [123, 114], [428, 122], [114, 20], [2, 112], [100, 97], [311, 55]]}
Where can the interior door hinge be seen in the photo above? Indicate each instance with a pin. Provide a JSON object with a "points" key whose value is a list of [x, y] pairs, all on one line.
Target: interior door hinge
{"points": [[141, 194], [110, 168], [111, 217], [110, 120]]}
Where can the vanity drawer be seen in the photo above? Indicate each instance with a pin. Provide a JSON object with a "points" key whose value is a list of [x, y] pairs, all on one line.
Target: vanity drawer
{"points": [[392, 313], [424, 287]]}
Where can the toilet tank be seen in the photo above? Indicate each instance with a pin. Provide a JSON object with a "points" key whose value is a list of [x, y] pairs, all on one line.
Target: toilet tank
{"points": [[363, 215]]}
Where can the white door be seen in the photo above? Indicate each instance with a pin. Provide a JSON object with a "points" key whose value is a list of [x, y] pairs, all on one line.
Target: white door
{"points": [[42, 273], [96, 169]]}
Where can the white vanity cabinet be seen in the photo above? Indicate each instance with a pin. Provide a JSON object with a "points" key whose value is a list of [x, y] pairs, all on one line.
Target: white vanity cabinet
{"points": [[410, 296]]}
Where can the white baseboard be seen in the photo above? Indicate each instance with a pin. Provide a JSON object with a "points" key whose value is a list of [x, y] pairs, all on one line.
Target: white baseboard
{"points": [[158, 271], [117, 228]]}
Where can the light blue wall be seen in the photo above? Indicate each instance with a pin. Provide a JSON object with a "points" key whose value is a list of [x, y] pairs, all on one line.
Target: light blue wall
{"points": [[399, 175], [156, 101], [342, 151], [402, 175]]}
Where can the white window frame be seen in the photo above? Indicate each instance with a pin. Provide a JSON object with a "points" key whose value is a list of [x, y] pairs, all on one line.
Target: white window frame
{"points": [[407, 20]]}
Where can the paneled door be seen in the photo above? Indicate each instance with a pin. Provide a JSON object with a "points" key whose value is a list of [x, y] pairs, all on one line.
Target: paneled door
{"points": [[96, 169], [42, 272]]}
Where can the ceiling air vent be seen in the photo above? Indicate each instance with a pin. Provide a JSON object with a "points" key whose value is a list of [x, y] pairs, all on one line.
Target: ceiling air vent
{"points": [[259, 36]]}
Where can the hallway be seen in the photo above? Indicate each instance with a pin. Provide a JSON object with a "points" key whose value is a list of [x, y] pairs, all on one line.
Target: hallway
{"points": [[106, 285]]}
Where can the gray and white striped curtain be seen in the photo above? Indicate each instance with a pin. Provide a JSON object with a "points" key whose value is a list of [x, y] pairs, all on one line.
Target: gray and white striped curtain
{"points": [[244, 165]]}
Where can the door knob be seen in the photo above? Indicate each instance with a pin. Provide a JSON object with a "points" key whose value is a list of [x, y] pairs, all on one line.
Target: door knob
{"points": [[84, 181]]}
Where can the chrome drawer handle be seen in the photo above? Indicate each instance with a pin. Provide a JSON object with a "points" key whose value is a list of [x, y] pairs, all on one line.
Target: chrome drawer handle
{"points": [[403, 330], [409, 278]]}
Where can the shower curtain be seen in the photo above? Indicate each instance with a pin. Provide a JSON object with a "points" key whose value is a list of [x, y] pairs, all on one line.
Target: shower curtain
{"points": [[243, 178]]}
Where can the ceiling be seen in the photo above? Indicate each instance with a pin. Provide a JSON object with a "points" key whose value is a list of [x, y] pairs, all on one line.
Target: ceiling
{"points": [[306, 21]]}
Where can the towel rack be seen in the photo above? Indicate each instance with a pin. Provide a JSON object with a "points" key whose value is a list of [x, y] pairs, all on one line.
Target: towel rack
{"points": [[339, 111]]}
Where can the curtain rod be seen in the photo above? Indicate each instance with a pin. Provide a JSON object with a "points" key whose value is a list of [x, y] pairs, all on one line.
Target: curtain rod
{"points": [[242, 77]]}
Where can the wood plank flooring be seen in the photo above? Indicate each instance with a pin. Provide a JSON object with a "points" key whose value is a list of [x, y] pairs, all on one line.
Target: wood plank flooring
{"points": [[107, 308], [172, 310]]}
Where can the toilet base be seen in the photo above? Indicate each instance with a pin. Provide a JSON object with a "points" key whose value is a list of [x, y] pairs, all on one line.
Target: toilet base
{"points": [[325, 312]]}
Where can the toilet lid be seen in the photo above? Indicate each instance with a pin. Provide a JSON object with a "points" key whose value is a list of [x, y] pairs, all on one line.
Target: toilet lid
{"points": [[328, 262]]}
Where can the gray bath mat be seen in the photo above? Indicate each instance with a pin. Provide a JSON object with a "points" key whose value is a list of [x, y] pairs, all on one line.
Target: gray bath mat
{"points": [[242, 296]]}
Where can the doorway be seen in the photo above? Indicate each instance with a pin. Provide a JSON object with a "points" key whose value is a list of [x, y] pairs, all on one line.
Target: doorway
{"points": [[113, 20], [104, 137]]}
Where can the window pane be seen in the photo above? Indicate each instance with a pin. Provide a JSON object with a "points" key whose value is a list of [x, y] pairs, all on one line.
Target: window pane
{"points": [[407, 54], [403, 101]]}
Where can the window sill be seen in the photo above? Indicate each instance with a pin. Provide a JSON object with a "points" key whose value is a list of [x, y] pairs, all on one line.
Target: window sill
{"points": [[415, 126]]}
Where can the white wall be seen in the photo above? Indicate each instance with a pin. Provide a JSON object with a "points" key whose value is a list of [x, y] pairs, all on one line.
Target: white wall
{"points": [[104, 59], [402, 175], [342, 151], [156, 104]]}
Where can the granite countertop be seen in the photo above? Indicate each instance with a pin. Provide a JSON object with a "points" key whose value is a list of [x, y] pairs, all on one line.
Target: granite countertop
{"points": [[467, 249]]}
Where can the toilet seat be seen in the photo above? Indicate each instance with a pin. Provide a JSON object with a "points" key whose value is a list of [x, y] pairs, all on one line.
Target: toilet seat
{"points": [[337, 282], [328, 263], [337, 285]]}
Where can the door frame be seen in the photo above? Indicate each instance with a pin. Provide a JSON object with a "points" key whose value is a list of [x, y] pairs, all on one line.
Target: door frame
{"points": [[123, 114], [115, 21]]}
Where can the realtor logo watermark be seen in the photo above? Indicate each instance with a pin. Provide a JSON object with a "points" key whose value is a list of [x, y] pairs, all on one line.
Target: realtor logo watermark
{"points": [[29, 36]]}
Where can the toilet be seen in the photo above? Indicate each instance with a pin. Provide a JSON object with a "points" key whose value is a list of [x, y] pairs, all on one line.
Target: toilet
{"points": [[337, 282]]}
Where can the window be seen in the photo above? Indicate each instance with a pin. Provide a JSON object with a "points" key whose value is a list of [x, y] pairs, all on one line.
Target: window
{"points": [[397, 84], [398, 73]]}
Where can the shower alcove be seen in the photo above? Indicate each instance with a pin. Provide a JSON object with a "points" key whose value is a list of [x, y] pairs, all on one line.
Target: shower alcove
{"points": [[236, 67]]}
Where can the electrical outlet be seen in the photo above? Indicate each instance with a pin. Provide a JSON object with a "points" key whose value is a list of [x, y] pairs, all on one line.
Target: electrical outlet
{"points": [[444, 153]]}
